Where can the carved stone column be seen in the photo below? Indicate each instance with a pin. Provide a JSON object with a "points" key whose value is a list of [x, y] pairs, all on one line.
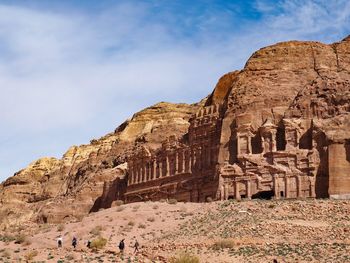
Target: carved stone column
{"points": [[225, 191], [142, 169], [312, 187], [167, 166], [286, 182], [148, 171], [237, 194], [160, 165], [249, 144], [249, 190], [273, 141], [154, 169], [183, 161], [176, 163], [138, 173], [300, 193], [189, 161], [194, 159], [276, 187]]}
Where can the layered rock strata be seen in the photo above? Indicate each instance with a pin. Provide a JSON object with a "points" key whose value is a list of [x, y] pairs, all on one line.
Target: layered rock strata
{"points": [[279, 128]]}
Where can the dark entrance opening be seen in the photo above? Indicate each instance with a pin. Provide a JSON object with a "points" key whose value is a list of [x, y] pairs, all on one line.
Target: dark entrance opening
{"points": [[282, 194], [267, 195], [243, 196], [231, 197]]}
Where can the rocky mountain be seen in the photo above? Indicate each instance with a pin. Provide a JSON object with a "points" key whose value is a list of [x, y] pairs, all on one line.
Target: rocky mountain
{"points": [[52, 190], [291, 84]]}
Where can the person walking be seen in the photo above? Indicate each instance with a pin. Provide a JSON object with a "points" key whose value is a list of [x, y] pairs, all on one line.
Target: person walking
{"points": [[121, 246], [74, 242], [136, 246], [59, 241]]}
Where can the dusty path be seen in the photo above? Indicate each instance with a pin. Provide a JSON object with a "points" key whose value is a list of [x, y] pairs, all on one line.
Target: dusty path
{"points": [[247, 231]]}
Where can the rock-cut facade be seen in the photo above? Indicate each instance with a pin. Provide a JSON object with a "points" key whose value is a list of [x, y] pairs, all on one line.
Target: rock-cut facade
{"points": [[279, 128]]}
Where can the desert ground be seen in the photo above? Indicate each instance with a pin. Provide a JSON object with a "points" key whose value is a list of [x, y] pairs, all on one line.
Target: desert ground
{"points": [[169, 231]]}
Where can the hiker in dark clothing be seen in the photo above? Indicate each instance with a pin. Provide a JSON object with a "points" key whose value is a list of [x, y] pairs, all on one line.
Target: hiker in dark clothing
{"points": [[121, 246], [136, 246], [59, 241], [74, 242], [88, 244]]}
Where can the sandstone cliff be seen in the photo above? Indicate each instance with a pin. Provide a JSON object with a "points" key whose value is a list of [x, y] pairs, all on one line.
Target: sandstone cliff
{"points": [[297, 85], [52, 190]]}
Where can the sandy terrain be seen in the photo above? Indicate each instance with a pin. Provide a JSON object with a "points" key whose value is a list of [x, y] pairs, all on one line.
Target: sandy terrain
{"points": [[230, 231]]}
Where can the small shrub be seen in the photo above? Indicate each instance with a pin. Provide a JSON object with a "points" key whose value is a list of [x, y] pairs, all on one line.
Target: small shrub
{"points": [[120, 208], [98, 243], [142, 226], [131, 223], [96, 231], [60, 227], [20, 239], [185, 257], [172, 201], [155, 207], [70, 257], [135, 208], [6, 253], [162, 200], [7, 238], [151, 219], [31, 255], [119, 202], [209, 199], [223, 243], [271, 206]]}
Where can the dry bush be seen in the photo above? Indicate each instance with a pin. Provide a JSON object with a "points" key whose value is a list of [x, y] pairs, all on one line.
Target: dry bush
{"points": [[151, 219], [70, 257], [209, 199], [120, 208], [60, 227], [155, 207], [162, 200], [118, 202], [142, 226], [30, 255], [20, 239], [98, 243], [172, 201], [131, 223], [6, 254], [135, 208], [96, 231], [7, 238], [185, 257], [223, 243]]}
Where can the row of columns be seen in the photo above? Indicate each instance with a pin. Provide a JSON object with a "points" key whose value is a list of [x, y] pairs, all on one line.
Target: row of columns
{"points": [[286, 190], [151, 169], [183, 162]]}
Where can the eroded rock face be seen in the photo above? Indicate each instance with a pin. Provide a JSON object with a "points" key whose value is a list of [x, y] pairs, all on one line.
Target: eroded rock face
{"points": [[279, 128], [84, 180], [276, 129]]}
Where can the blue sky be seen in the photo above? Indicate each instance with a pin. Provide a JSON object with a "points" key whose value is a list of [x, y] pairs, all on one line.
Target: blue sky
{"points": [[72, 70]]}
